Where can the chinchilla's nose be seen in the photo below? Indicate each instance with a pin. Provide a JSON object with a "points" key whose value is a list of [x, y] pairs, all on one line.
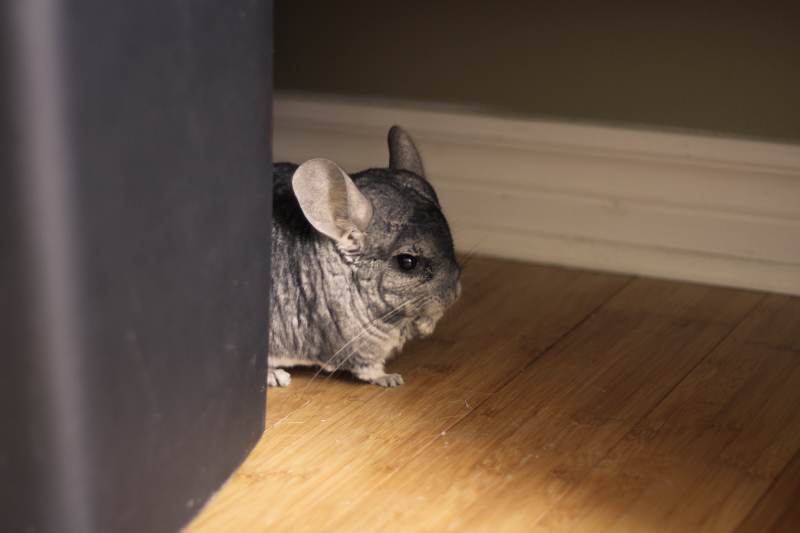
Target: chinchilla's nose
{"points": [[455, 294], [451, 288]]}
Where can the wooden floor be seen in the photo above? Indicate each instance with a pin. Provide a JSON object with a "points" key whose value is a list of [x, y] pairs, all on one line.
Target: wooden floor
{"points": [[548, 400]]}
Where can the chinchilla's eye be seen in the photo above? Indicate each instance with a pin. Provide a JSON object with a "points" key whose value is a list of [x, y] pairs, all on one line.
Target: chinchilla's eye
{"points": [[406, 262]]}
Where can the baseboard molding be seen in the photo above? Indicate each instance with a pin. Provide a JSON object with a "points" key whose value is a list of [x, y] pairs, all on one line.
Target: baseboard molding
{"points": [[672, 205]]}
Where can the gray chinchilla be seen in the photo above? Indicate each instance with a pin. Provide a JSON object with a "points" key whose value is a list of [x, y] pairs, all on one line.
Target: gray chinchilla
{"points": [[360, 264]]}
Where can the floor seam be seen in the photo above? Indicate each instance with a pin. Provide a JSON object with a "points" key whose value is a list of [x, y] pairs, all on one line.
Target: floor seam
{"points": [[664, 396], [547, 349], [795, 458], [504, 384], [533, 361]]}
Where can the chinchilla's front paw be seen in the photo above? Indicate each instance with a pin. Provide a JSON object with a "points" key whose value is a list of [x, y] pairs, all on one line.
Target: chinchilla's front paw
{"points": [[375, 374], [388, 380], [277, 377]]}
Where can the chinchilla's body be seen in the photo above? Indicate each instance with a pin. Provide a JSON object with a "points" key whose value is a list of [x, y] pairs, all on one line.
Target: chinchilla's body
{"points": [[360, 264]]}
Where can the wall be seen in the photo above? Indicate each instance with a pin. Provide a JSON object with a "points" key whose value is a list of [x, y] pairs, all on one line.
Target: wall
{"points": [[731, 70]]}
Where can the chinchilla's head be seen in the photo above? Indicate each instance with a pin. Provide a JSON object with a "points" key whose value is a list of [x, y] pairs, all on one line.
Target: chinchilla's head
{"points": [[387, 226]]}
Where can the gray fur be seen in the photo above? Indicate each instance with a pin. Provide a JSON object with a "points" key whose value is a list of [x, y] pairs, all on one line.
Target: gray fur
{"points": [[340, 302]]}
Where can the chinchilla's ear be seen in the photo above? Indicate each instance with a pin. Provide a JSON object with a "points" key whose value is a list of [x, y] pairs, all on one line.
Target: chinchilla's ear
{"points": [[332, 203], [403, 154]]}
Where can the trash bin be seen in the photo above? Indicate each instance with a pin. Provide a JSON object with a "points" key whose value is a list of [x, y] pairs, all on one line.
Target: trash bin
{"points": [[135, 214]]}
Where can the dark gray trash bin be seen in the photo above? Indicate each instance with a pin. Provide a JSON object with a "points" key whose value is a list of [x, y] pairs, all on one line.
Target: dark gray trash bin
{"points": [[135, 212]]}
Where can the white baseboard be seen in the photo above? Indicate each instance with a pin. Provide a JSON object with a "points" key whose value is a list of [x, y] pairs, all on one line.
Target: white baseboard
{"points": [[672, 205]]}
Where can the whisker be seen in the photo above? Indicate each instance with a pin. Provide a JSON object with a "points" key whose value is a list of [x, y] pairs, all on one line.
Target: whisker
{"points": [[470, 254], [364, 330], [420, 301]]}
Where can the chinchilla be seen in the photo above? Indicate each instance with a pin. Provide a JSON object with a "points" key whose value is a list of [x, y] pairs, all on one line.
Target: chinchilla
{"points": [[360, 264]]}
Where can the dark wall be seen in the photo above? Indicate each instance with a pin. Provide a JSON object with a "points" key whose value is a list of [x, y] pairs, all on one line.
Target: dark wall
{"points": [[732, 67]]}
